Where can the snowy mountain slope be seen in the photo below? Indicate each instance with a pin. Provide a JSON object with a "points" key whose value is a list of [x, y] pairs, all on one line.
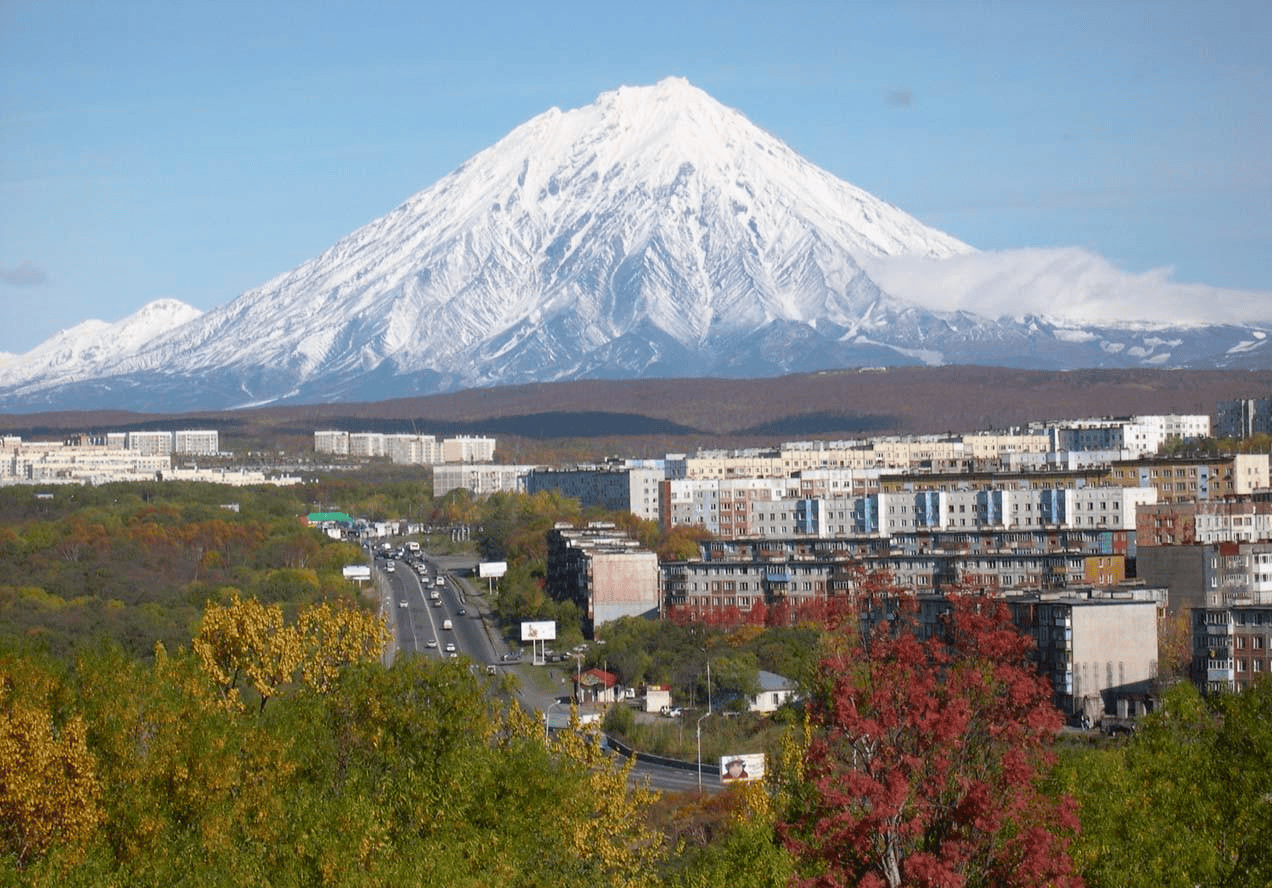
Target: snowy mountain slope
{"points": [[652, 233], [78, 351]]}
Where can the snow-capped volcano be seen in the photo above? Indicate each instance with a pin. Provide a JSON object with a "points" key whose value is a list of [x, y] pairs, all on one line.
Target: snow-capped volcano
{"points": [[653, 232]]}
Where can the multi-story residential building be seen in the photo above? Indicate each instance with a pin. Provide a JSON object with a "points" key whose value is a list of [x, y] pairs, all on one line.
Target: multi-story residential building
{"points": [[201, 442], [366, 445], [481, 479], [885, 514], [1043, 478], [331, 441], [1194, 478], [605, 572], [1098, 647], [150, 443], [613, 486], [1235, 519], [412, 450], [1139, 435], [716, 505], [468, 450], [1232, 646], [1243, 418]]}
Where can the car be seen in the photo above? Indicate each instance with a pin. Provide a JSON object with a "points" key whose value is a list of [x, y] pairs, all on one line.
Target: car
{"points": [[437, 602], [450, 647], [463, 611], [402, 604], [431, 643]]}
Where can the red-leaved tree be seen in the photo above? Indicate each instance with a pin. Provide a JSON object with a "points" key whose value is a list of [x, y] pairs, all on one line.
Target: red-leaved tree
{"points": [[927, 747]]}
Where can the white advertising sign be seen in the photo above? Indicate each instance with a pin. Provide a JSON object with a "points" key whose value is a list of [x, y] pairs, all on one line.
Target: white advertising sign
{"points": [[544, 630], [357, 572], [492, 569]]}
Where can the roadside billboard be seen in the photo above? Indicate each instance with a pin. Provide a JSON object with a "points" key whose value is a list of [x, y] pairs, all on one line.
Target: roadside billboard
{"points": [[742, 767], [544, 630], [357, 572], [492, 569]]}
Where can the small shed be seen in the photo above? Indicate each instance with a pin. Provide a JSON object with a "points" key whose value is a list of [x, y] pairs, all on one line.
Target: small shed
{"points": [[657, 697]]}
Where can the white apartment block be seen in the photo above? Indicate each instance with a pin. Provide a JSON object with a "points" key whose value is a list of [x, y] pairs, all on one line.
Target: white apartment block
{"points": [[331, 441], [1243, 521], [412, 450], [1138, 435], [481, 479], [404, 449], [202, 442], [150, 443], [754, 510], [468, 450], [366, 445]]}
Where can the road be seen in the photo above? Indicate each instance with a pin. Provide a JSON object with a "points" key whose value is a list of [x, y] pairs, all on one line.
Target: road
{"points": [[414, 620]]}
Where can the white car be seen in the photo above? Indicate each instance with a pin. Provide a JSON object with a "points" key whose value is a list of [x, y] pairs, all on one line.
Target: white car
{"points": [[450, 647], [431, 643], [402, 604]]}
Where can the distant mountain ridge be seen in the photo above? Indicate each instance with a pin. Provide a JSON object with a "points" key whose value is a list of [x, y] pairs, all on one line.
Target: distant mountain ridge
{"points": [[654, 233]]}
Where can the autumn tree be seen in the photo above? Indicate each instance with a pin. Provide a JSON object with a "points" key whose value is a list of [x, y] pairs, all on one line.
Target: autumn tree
{"points": [[1186, 799], [48, 777], [926, 754]]}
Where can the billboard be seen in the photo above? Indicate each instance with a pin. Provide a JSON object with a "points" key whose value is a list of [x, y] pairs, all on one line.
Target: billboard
{"points": [[544, 630], [492, 569], [357, 572], [742, 767]]}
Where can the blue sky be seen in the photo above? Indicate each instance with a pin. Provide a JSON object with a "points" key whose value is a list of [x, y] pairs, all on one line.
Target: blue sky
{"points": [[194, 150]]}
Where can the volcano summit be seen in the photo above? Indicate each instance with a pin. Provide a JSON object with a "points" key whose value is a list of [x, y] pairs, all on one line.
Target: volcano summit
{"points": [[654, 232]]}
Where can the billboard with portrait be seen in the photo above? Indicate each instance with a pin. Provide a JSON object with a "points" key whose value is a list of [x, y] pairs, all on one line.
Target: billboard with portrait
{"points": [[742, 767]]}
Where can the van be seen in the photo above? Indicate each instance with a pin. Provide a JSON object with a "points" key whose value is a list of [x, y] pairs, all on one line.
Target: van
{"points": [[446, 624]]}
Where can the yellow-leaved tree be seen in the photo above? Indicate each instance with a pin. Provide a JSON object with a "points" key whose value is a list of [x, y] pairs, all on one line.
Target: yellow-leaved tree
{"points": [[333, 636], [248, 642], [49, 789]]}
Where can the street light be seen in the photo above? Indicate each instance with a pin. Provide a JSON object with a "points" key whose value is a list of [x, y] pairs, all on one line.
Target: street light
{"points": [[546, 716], [700, 727]]}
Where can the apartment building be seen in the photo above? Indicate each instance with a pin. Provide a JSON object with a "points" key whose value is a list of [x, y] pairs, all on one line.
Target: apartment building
{"points": [[1138, 435], [605, 572], [150, 443], [481, 479], [1242, 418], [331, 441], [465, 449], [1232, 646], [1235, 519], [617, 486], [1098, 647], [1195, 478], [197, 442]]}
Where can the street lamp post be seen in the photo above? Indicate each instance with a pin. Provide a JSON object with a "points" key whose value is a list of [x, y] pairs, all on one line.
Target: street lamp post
{"points": [[546, 716], [700, 727]]}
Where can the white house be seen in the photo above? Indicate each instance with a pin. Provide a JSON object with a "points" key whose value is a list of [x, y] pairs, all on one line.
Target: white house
{"points": [[774, 691]]}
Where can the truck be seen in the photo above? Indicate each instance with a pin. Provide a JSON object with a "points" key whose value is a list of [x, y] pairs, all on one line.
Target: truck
{"points": [[412, 546]]}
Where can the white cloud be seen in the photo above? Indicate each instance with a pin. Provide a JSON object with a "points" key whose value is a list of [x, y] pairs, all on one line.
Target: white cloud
{"points": [[1070, 284]]}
